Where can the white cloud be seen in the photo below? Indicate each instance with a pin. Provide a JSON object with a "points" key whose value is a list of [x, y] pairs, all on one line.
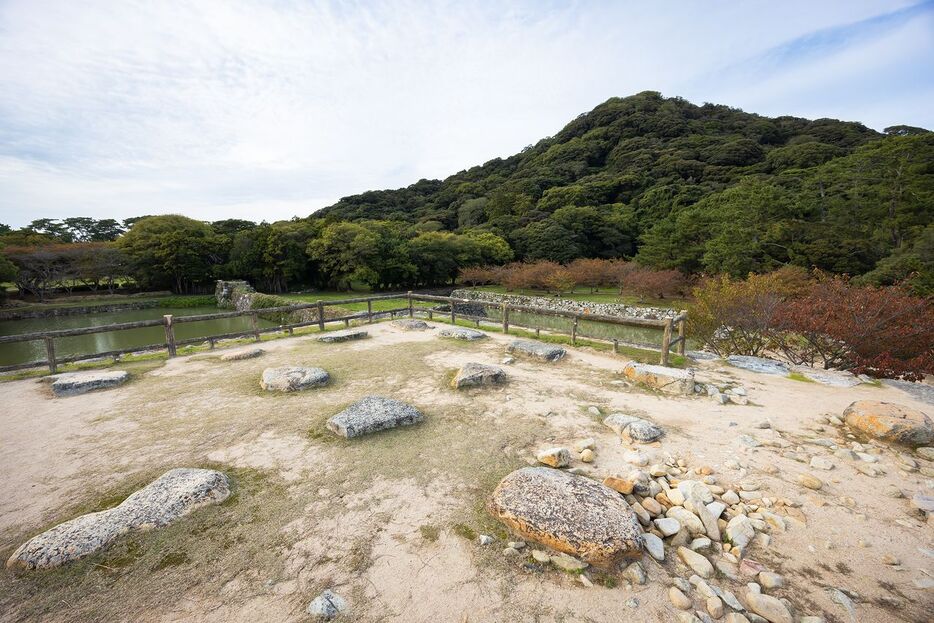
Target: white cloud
{"points": [[266, 110]]}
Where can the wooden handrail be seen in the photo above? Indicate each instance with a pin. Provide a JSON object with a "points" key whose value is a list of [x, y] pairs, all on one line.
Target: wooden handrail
{"points": [[169, 321]]}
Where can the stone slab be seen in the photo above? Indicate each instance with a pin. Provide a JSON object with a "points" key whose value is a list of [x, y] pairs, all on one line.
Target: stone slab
{"points": [[75, 383], [293, 378], [662, 378], [345, 335], [536, 350], [372, 414]]}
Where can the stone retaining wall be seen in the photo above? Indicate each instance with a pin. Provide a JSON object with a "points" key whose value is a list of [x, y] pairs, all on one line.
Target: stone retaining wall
{"points": [[240, 295], [561, 304]]}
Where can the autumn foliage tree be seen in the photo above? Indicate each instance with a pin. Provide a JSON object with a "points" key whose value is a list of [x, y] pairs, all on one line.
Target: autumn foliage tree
{"points": [[881, 331]]}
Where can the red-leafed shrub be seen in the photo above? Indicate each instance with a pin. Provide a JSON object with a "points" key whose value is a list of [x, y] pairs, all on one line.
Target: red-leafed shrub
{"points": [[592, 273], [884, 332], [651, 283], [479, 275]]}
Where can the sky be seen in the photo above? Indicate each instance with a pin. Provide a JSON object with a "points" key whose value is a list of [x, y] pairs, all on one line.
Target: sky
{"points": [[268, 110]]}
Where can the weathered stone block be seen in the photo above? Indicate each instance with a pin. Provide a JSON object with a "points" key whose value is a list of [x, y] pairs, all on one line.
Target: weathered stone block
{"points": [[168, 498], [293, 378], [476, 374], [569, 513], [668, 380], [74, 383], [536, 350], [342, 336], [372, 414], [459, 333]]}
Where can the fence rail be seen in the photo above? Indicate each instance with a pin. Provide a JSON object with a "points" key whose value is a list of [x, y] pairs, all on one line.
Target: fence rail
{"points": [[171, 345]]}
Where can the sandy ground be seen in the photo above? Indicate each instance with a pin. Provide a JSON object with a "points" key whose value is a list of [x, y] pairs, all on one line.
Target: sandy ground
{"points": [[389, 521]]}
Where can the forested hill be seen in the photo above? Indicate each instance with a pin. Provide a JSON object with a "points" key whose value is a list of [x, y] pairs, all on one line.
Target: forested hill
{"points": [[699, 188]]}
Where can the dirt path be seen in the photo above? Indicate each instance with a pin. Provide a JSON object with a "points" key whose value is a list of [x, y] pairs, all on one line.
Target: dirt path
{"points": [[389, 521]]}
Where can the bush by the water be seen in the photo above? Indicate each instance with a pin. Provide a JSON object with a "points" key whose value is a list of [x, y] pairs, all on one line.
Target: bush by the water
{"points": [[593, 273], [817, 320]]}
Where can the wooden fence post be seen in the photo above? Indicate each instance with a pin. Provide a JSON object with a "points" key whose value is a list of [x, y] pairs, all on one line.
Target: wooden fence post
{"points": [[666, 342], [50, 354], [681, 332], [320, 316], [210, 343], [369, 311], [254, 323], [505, 318], [431, 314], [452, 311], [411, 309], [169, 335], [615, 346], [574, 331]]}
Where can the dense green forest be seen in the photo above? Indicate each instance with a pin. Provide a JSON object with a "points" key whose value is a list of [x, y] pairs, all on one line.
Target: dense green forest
{"points": [[700, 189]]}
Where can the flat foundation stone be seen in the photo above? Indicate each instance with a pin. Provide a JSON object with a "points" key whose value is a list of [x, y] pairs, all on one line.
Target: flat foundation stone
{"points": [[834, 378], [342, 336], [372, 414], [459, 333], [410, 324], [163, 501], [634, 427], [477, 374], [293, 378], [536, 350], [569, 513], [75, 383], [662, 378], [758, 364], [239, 355]]}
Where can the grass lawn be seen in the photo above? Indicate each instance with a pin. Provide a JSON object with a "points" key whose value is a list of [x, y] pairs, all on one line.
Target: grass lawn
{"points": [[604, 295]]}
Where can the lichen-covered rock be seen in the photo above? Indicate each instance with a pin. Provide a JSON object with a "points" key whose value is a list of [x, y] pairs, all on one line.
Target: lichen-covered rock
{"points": [[371, 414], [662, 378], [569, 513], [476, 374], [536, 350], [554, 457], [171, 496], [634, 427], [293, 378], [74, 383], [890, 422], [239, 355], [342, 336], [758, 364], [459, 333], [410, 324]]}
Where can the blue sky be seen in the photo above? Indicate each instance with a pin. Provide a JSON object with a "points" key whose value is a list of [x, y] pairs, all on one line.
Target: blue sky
{"points": [[268, 110]]}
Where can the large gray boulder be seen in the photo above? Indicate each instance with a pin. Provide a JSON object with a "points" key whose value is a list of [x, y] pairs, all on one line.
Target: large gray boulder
{"points": [[570, 513], [662, 378], [890, 422], [476, 374], [634, 427], [536, 350], [410, 324], [74, 383], [459, 333], [293, 378], [758, 364], [371, 414], [342, 336], [163, 501], [239, 355]]}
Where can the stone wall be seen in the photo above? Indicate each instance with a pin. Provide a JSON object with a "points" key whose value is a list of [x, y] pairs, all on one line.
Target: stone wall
{"points": [[561, 304], [240, 295]]}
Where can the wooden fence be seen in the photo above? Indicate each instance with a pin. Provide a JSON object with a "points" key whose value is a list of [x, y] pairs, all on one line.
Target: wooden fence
{"points": [[168, 322]]}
